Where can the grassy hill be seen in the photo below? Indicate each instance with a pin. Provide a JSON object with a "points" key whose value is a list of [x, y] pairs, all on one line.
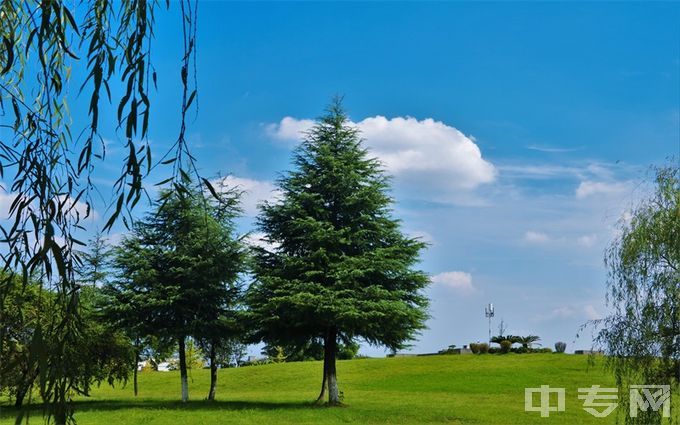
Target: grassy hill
{"points": [[486, 389]]}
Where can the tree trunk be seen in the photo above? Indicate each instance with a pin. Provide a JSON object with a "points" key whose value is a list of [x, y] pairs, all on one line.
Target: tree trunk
{"points": [[60, 402], [213, 372], [183, 369], [330, 348], [25, 387], [322, 394], [21, 394], [135, 385]]}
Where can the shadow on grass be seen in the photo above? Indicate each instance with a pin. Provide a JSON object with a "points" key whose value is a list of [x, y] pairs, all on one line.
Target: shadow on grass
{"points": [[36, 410]]}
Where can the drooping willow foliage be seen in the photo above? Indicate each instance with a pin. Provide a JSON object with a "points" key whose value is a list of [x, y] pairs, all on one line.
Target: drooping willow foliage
{"points": [[642, 336], [47, 165]]}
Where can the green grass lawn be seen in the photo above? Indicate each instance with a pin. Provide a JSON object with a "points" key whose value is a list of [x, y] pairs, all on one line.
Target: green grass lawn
{"points": [[486, 389]]}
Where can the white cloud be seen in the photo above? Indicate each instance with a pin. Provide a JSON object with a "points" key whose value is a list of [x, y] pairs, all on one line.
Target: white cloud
{"points": [[258, 239], [6, 200], [571, 312], [562, 312], [289, 129], [429, 155], [587, 240], [254, 192], [591, 313], [589, 172], [541, 171], [550, 149], [422, 236], [407, 145], [455, 280], [113, 239], [600, 170], [532, 236], [589, 188], [79, 208]]}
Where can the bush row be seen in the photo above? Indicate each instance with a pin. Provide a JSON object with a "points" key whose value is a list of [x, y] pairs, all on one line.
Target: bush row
{"points": [[506, 347]]}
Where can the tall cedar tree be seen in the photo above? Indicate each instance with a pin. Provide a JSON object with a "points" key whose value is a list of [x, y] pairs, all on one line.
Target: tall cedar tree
{"points": [[339, 267], [178, 274]]}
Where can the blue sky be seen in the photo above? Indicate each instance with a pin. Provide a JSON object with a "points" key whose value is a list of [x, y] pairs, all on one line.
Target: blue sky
{"points": [[517, 134]]}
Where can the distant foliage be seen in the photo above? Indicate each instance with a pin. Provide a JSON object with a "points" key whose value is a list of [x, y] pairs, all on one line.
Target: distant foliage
{"points": [[348, 351], [479, 347], [447, 350], [194, 355], [230, 353], [527, 341], [104, 354], [95, 262], [514, 339], [560, 347], [279, 355], [310, 350], [506, 346], [498, 339]]}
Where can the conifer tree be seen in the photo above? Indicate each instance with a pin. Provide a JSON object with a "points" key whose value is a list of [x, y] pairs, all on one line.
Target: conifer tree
{"points": [[94, 261], [339, 269], [178, 274]]}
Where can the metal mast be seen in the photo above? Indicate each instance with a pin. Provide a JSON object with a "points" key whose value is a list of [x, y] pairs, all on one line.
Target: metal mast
{"points": [[489, 313]]}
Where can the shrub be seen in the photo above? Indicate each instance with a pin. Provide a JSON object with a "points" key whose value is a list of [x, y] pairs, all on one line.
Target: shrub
{"points": [[483, 348], [493, 350], [448, 350], [505, 346], [520, 350], [560, 347], [474, 347], [545, 350], [515, 339]]}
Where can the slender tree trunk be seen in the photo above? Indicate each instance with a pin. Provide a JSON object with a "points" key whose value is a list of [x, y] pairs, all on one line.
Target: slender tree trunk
{"points": [[183, 369], [330, 348], [21, 394], [60, 402], [135, 385], [213, 372], [25, 387], [322, 394]]}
